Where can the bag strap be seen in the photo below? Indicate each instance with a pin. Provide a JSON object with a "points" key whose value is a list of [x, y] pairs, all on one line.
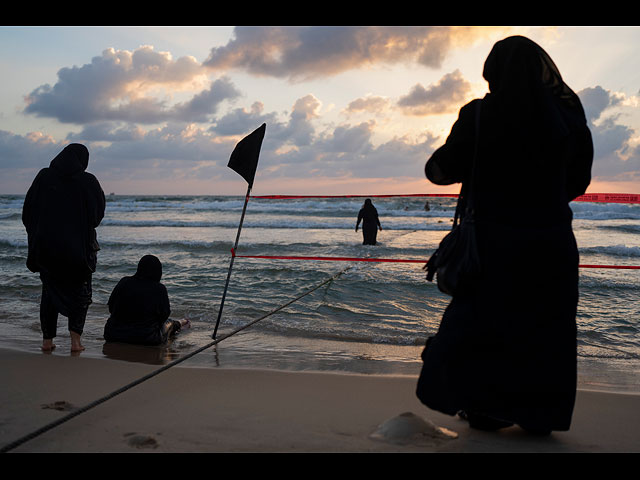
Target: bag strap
{"points": [[470, 190]]}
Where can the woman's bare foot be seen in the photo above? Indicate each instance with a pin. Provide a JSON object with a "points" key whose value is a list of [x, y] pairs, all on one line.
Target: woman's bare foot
{"points": [[76, 344], [48, 345], [185, 323]]}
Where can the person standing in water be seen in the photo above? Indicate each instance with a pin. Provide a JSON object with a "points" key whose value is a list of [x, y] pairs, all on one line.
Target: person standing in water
{"points": [[61, 211], [368, 215]]}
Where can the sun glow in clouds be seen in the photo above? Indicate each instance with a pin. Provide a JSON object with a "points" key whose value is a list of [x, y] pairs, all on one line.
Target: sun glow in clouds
{"points": [[344, 106]]}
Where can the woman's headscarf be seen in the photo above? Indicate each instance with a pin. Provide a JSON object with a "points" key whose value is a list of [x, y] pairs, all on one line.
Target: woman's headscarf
{"points": [[72, 159], [528, 87], [149, 268]]}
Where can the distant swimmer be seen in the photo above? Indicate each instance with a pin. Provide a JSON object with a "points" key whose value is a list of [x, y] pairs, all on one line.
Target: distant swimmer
{"points": [[140, 309], [368, 215], [61, 211]]}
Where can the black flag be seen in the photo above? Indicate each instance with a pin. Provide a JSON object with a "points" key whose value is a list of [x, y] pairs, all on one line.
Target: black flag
{"points": [[244, 158]]}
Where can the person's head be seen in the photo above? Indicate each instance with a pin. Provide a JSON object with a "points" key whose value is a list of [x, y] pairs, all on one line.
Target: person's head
{"points": [[524, 78], [72, 159], [517, 62], [149, 268], [367, 203]]}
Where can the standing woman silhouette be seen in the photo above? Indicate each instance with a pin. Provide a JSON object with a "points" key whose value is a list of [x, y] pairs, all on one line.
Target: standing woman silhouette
{"points": [[368, 215], [62, 208], [506, 354]]}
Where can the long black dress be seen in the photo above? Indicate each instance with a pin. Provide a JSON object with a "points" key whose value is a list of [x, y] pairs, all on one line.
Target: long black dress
{"points": [[368, 215], [62, 209], [508, 352], [139, 307]]}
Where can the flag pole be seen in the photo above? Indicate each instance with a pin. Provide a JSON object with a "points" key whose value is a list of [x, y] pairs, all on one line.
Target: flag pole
{"points": [[233, 256], [244, 161]]}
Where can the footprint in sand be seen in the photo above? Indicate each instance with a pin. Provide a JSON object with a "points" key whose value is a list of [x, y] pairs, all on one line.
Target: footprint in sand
{"points": [[60, 405], [141, 441]]}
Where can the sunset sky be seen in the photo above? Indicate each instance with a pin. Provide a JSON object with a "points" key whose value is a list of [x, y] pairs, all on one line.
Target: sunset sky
{"points": [[349, 110]]}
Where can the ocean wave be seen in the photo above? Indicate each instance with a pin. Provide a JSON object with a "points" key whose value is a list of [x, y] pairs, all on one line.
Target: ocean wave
{"points": [[305, 331], [594, 343], [346, 208], [8, 242], [13, 202], [189, 244], [11, 216], [625, 228], [280, 223], [136, 204], [605, 211], [613, 250]]}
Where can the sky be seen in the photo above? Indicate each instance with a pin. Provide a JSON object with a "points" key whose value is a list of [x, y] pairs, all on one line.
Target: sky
{"points": [[349, 110]]}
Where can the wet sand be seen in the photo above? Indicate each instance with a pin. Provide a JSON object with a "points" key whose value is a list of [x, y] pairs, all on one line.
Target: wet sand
{"points": [[194, 409]]}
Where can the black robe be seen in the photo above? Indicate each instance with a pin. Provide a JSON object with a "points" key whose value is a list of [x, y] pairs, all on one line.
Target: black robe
{"points": [[139, 307], [368, 215], [509, 350], [62, 209]]}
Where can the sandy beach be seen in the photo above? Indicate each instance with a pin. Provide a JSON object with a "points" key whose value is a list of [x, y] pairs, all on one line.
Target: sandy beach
{"points": [[194, 409]]}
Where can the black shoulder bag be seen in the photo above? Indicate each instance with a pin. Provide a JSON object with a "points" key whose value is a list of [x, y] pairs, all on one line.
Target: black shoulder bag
{"points": [[456, 262]]}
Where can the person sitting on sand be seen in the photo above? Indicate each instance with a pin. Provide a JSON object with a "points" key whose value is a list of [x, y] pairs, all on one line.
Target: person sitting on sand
{"points": [[368, 215], [139, 307]]}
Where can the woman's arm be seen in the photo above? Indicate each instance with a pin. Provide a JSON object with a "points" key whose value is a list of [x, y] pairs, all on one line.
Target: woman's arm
{"points": [[451, 162]]}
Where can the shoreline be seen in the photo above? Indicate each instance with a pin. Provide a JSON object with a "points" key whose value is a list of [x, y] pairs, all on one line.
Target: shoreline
{"points": [[194, 409], [594, 374]]}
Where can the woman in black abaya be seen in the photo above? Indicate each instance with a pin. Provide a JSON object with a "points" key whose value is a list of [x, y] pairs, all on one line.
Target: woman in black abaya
{"points": [[506, 354], [368, 215], [140, 309], [62, 209]]}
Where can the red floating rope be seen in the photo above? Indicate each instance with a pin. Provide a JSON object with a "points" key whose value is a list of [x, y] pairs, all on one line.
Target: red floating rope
{"points": [[609, 197], [631, 267], [587, 197], [290, 197]]}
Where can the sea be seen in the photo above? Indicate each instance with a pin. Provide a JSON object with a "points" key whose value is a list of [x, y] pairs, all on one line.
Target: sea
{"points": [[365, 318]]}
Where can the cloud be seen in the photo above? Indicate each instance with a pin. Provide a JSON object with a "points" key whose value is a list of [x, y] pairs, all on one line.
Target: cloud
{"points": [[297, 129], [596, 100], [127, 151], [615, 155], [116, 86], [300, 129], [348, 151], [445, 96], [240, 121], [294, 147], [33, 150], [205, 103], [107, 132], [302, 53], [348, 140], [369, 104], [186, 145]]}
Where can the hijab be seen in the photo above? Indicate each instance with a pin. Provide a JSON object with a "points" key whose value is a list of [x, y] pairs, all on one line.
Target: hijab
{"points": [[74, 158], [528, 90], [368, 205], [149, 268]]}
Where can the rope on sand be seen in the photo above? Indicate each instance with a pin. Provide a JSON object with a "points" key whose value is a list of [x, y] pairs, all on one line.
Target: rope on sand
{"points": [[95, 403]]}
